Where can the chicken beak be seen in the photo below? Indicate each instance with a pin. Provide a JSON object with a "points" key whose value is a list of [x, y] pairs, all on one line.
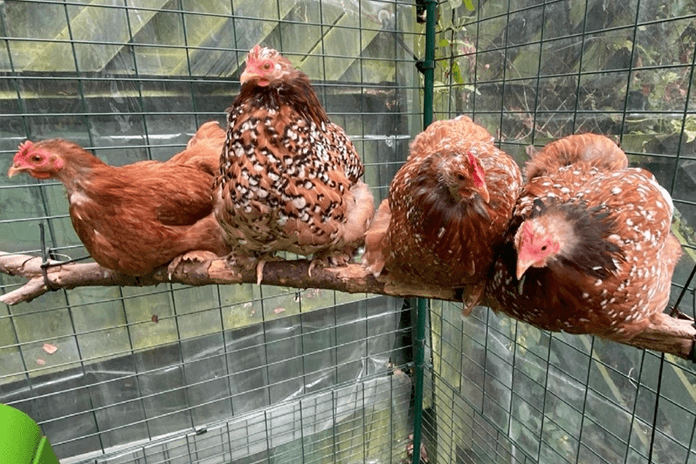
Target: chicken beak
{"points": [[247, 75], [522, 266], [14, 169], [483, 193], [250, 75]]}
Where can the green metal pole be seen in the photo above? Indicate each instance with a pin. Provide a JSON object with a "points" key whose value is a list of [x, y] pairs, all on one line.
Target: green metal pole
{"points": [[422, 305], [421, 308], [428, 65]]}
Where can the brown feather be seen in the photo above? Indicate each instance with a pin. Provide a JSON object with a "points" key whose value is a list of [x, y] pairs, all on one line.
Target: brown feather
{"points": [[199, 151], [376, 247], [441, 231], [592, 149]]}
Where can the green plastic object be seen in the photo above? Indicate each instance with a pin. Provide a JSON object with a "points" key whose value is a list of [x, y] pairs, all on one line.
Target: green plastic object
{"points": [[21, 441]]}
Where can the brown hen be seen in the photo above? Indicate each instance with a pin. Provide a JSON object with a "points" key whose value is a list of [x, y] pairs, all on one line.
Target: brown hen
{"points": [[589, 249], [448, 209], [137, 217], [289, 178]]}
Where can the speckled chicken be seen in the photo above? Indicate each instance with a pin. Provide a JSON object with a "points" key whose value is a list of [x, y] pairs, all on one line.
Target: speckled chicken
{"points": [[289, 178], [447, 212], [594, 150], [590, 248], [137, 217]]}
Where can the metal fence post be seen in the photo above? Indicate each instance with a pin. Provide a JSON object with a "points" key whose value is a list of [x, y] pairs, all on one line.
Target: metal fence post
{"points": [[428, 67]]}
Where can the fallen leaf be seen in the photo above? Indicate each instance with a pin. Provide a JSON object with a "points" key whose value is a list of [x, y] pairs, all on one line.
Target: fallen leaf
{"points": [[50, 349], [40, 361], [278, 310]]}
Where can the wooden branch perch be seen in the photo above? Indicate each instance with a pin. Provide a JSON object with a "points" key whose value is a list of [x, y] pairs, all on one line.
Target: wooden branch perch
{"points": [[350, 279], [665, 333]]}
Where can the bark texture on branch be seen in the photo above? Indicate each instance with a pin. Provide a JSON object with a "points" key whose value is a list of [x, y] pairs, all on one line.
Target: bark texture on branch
{"points": [[665, 333], [350, 279]]}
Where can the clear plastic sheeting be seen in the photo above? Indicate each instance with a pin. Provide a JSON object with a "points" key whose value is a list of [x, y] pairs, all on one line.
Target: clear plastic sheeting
{"points": [[134, 372], [336, 422], [141, 367], [302, 374], [150, 37]]}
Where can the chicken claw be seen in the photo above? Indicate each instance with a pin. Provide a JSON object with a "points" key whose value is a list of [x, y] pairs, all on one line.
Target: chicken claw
{"points": [[252, 262], [473, 294], [195, 256], [334, 259]]}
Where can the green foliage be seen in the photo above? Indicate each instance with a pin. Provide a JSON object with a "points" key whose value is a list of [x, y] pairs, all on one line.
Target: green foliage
{"points": [[689, 128], [454, 4]]}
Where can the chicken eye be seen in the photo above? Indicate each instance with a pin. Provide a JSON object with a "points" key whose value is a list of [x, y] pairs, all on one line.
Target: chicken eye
{"points": [[461, 177], [267, 66], [543, 248], [36, 158]]}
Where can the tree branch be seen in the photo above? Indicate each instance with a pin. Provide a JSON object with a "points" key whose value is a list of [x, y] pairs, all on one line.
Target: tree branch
{"points": [[665, 333], [350, 279], [670, 335]]}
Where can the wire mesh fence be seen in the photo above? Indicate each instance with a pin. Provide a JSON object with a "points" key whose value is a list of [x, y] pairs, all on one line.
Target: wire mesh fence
{"points": [[214, 374], [245, 374], [502, 391]]}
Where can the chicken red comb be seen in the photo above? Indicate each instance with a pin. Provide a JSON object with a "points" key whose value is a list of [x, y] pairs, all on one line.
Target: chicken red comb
{"points": [[25, 146], [479, 173], [254, 53]]}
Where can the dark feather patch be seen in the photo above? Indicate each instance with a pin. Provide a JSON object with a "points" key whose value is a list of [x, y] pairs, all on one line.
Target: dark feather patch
{"points": [[594, 253], [537, 208], [297, 93]]}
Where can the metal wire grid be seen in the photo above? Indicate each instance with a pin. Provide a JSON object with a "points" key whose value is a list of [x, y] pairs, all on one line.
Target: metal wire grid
{"points": [[196, 381], [297, 431], [215, 374], [501, 391], [569, 400]]}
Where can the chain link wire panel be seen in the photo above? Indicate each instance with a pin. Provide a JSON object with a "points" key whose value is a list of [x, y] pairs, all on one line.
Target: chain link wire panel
{"points": [[500, 391], [217, 374]]}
